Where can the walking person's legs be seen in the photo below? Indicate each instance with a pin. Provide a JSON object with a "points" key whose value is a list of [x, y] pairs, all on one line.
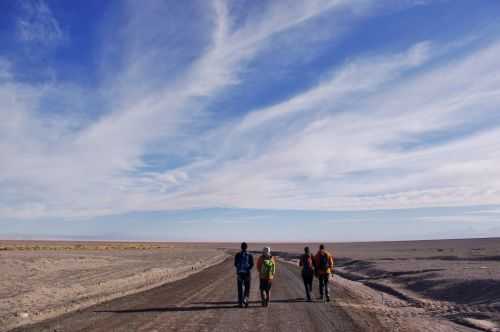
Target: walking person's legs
{"points": [[307, 284], [268, 292], [265, 291], [321, 286], [327, 293], [262, 292], [247, 290], [240, 289]]}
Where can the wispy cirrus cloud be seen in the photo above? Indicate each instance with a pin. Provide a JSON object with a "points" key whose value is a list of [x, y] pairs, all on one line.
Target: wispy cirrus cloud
{"points": [[4, 69], [354, 153], [37, 24], [97, 162], [389, 129], [356, 77]]}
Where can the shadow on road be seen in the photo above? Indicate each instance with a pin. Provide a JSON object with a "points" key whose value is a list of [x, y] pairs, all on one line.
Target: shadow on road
{"points": [[197, 306], [169, 309], [222, 303], [296, 300]]}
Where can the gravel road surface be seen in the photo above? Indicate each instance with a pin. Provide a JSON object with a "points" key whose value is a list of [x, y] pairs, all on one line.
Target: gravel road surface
{"points": [[206, 301]]}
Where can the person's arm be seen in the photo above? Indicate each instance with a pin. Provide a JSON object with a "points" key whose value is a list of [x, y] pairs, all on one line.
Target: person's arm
{"points": [[259, 263], [251, 261], [331, 262], [273, 268], [316, 265], [236, 258], [300, 261]]}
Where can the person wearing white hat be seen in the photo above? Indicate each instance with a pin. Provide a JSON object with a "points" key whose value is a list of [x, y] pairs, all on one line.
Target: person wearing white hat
{"points": [[266, 265]]}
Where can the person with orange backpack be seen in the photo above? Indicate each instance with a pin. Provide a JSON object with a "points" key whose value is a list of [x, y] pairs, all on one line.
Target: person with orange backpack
{"points": [[266, 265], [324, 268], [307, 264]]}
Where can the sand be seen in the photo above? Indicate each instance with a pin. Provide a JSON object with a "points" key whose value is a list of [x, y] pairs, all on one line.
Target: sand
{"points": [[42, 280]]}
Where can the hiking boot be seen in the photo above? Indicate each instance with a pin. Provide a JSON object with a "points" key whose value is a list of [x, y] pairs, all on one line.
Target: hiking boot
{"points": [[246, 302], [328, 299]]}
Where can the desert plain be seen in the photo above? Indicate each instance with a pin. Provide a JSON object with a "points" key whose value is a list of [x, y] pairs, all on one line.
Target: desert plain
{"points": [[441, 285], [43, 279]]}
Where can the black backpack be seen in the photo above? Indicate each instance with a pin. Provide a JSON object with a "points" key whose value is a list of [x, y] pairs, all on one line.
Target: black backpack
{"points": [[306, 267]]}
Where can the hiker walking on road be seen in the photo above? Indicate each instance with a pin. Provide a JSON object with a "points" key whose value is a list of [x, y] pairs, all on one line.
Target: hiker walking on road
{"points": [[266, 265], [307, 264], [243, 262], [324, 267]]}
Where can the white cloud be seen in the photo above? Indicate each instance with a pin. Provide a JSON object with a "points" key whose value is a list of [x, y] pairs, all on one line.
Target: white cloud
{"points": [[474, 220], [4, 69], [53, 169], [486, 211], [339, 155], [38, 23], [339, 145], [357, 77]]}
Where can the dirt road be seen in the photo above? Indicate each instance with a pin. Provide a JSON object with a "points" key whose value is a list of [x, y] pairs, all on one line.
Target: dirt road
{"points": [[206, 302]]}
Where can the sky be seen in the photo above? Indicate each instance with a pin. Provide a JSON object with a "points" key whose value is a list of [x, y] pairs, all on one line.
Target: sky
{"points": [[341, 120]]}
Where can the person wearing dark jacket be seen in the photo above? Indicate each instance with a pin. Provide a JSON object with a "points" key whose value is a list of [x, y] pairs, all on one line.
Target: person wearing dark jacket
{"points": [[243, 262], [307, 264]]}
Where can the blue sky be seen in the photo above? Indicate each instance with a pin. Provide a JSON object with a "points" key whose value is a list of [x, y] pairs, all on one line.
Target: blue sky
{"points": [[259, 120]]}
